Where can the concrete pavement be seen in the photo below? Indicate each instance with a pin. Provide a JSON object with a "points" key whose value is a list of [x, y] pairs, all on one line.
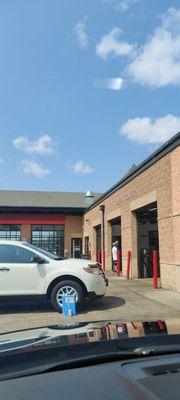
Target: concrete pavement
{"points": [[132, 300]]}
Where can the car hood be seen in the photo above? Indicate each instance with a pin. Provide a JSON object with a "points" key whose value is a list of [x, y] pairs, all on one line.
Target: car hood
{"points": [[72, 334], [77, 263]]}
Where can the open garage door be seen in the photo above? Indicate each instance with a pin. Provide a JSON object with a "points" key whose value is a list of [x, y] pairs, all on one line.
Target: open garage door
{"points": [[98, 243], [116, 235], [148, 239]]}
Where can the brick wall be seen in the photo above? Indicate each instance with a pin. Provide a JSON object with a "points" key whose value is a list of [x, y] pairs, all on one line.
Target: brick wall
{"points": [[161, 183], [26, 232], [73, 229], [175, 166]]}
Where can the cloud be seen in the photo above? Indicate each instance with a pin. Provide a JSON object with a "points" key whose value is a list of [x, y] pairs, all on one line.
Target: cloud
{"points": [[82, 167], [121, 5], [43, 145], [109, 83], [81, 34], [146, 130], [171, 19], [111, 45], [32, 167], [157, 63], [124, 5]]}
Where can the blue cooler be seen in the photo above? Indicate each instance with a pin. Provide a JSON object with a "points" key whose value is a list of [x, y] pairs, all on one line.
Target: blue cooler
{"points": [[69, 305]]}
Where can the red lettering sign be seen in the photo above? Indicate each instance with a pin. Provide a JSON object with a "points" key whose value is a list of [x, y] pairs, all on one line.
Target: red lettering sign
{"points": [[127, 196]]}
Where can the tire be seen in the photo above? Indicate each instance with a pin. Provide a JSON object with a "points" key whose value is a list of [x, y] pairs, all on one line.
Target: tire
{"points": [[76, 288]]}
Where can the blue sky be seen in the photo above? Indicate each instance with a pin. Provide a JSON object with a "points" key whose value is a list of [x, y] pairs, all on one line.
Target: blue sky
{"points": [[87, 88]]}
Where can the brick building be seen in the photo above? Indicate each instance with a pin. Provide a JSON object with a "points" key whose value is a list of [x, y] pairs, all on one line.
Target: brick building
{"points": [[142, 212], [50, 220]]}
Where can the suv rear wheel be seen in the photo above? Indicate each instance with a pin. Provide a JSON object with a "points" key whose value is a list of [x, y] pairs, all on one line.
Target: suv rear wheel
{"points": [[66, 287]]}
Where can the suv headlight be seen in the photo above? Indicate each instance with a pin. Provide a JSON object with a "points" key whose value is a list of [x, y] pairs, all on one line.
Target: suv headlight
{"points": [[92, 268]]}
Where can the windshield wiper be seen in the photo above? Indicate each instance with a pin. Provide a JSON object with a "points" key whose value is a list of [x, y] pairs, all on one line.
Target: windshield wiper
{"points": [[157, 350]]}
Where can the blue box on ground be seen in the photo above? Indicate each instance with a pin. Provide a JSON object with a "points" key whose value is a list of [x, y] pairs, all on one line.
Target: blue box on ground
{"points": [[69, 305]]}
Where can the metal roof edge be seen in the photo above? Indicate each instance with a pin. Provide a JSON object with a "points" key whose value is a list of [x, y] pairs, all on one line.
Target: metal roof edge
{"points": [[35, 209], [166, 148]]}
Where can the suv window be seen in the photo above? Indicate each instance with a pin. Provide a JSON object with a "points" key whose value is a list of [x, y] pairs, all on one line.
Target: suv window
{"points": [[15, 254]]}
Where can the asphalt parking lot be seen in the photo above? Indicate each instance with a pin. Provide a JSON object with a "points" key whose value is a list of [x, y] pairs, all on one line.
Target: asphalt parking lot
{"points": [[133, 300]]}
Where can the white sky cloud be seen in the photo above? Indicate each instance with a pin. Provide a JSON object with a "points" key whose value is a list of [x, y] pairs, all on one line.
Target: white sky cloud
{"points": [[82, 167], [171, 19], [109, 83], [43, 145], [111, 45], [157, 63], [124, 5], [114, 83], [33, 168], [121, 5], [81, 34], [146, 130]]}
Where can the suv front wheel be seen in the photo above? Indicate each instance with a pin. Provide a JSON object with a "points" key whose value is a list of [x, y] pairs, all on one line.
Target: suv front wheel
{"points": [[66, 287]]}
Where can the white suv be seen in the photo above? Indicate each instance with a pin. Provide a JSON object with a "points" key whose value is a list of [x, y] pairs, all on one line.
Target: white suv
{"points": [[26, 270]]}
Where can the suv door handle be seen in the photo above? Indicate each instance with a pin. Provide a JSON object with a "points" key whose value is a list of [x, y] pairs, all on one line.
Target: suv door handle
{"points": [[4, 269]]}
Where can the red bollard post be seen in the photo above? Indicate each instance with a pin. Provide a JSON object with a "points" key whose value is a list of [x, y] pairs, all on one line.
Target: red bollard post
{"points": [[155, 269], [160, 324], [118, 263], [128, 264], [99, 256], [134, 325], [104, 260]]}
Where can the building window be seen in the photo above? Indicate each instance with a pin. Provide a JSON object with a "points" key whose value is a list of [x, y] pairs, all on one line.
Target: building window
{"points": [[49, 237], [81, 335], [10, 232], [92, 334], [76, 247]]}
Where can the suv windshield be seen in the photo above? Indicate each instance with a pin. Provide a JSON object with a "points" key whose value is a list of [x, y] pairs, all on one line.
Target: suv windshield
{"points": [[44, 252]]}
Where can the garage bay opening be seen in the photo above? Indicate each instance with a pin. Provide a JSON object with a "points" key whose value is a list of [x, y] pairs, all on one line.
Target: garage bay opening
{"points": [[148, 240], [116, 237], [98, 243]]}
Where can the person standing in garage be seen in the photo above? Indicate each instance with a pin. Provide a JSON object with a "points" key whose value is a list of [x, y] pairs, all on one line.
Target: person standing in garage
{"points": [[114, 257]]}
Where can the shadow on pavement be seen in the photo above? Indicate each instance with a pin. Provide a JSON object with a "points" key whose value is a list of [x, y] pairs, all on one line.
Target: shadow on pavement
{"points": [[26, 308], [106, 303]]}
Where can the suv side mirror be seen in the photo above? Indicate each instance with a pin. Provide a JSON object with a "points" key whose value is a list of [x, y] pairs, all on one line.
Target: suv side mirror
{"points": [[37, 259]]}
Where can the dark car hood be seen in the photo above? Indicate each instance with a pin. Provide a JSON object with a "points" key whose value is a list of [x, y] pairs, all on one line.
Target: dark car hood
{"points": [[72, 334]]}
